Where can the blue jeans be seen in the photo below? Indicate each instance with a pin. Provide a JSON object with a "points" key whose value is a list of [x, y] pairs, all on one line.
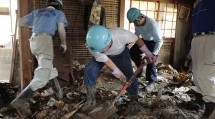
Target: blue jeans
{"points": [[122, 61], [135, 53]]}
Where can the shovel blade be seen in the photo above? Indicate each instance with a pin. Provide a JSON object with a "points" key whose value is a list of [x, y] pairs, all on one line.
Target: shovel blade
{"points": [[103, 111]]}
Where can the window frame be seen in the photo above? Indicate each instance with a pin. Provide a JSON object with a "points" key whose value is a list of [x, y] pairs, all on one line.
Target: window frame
{"points": [[167, 31]]}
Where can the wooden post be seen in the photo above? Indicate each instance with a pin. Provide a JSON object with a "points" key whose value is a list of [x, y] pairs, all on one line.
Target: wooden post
{"points": [[24, 48], [122, 13]]}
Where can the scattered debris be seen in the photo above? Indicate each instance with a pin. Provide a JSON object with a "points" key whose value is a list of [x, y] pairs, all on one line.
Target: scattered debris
{"points": [[170, 99]]}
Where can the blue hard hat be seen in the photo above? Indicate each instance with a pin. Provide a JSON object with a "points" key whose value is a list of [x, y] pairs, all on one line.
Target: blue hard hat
{"points": [[133, 14], [98, 38]]}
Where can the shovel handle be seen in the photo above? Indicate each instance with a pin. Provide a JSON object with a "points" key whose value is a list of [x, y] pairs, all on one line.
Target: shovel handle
{"points": [[128, 83], [124, 88]]}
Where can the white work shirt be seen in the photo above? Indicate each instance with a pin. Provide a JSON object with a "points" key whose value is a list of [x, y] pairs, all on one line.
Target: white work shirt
{"points": [[151, 32], [120, 38]]}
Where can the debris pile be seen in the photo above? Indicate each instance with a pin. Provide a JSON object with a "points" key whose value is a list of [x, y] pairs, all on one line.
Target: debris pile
{"points": [[172, 98]]}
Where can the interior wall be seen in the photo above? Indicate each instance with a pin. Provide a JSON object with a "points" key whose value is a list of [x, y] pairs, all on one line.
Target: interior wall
{"points": [[76, 33], [181, 39]]}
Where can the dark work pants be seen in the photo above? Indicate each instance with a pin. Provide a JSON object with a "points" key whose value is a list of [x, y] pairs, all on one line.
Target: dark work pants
{"points": [[122, 61], [136, 53]]}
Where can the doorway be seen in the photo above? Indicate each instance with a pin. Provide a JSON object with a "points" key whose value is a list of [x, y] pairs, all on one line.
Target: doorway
{"points": [[8, 10]]}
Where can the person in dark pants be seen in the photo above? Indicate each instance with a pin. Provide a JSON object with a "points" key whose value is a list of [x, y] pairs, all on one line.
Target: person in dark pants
{"points": [[150, 32], [203, 53], [109, 48]]}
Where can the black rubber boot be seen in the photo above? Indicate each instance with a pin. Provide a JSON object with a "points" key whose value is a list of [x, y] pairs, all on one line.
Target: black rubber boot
{"points": [[133, 106], [91, 100], [133, 97], [56, 88], [22, 98], [209, 107], [199, 100], [21, 102]]}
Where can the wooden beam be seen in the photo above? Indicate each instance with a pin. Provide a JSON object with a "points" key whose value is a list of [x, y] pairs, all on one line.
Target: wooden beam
{"points": [[4, 11], [166, 1], [122, 13], [25, 54]]}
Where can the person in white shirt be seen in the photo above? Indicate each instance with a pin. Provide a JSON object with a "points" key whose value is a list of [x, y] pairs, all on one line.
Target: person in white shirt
{"points": [[151, 35], [109, 48]]}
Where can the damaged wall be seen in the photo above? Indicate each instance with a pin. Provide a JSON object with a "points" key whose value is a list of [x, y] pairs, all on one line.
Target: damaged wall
{"points": [[76, 34], [182, 36]]}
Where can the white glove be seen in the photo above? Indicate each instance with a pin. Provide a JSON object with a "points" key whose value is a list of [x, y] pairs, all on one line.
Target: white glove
{"points": [[118, 74], [152, 58], [64, 47]]}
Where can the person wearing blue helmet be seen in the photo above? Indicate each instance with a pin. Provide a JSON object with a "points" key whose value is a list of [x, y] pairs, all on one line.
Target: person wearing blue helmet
{"points": [[109, 48], [44, 23], [151, 35]]}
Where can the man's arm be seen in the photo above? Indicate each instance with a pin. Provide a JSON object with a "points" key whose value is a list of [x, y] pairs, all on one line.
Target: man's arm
{"points": [[140, 42], [157, 38], [115, 70], [62, 35], [145, 50], [109, 63], [26, 21], [23, 21]]}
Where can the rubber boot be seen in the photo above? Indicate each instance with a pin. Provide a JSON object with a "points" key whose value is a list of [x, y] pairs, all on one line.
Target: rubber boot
{"points": [[133, 97], [209, 107], [22, 98], [56, 88], [200, 101], [133, 105], [21, 102], [91, 100]]}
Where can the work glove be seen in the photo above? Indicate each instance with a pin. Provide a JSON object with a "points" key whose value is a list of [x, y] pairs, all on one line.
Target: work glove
{"points": [[118, 74], [63, 47], [152, 57]]}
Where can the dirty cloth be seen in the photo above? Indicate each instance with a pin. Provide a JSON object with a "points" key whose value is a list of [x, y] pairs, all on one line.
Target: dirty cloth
{"points": [[42, 48], [122, 61], [203, 55]]}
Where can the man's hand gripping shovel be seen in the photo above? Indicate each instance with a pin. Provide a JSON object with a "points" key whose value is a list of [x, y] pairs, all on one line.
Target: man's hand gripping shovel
{"points": [[107, 109]]}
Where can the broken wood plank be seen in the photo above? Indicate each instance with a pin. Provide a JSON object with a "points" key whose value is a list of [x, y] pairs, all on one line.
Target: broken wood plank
{"points": [[76, 108]]}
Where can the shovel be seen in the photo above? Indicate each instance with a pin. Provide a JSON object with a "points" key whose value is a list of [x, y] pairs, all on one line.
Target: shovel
{"points": [[107, 109]]}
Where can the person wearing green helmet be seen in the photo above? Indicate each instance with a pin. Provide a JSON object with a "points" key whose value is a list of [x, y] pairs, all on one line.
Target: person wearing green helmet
{"points": [[44, 22], [109, 47], [151, 35], [57, 4]]}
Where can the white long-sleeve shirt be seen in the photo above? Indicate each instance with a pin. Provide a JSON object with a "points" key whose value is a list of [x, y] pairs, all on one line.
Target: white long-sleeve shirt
{"points": [[151, 32]]}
